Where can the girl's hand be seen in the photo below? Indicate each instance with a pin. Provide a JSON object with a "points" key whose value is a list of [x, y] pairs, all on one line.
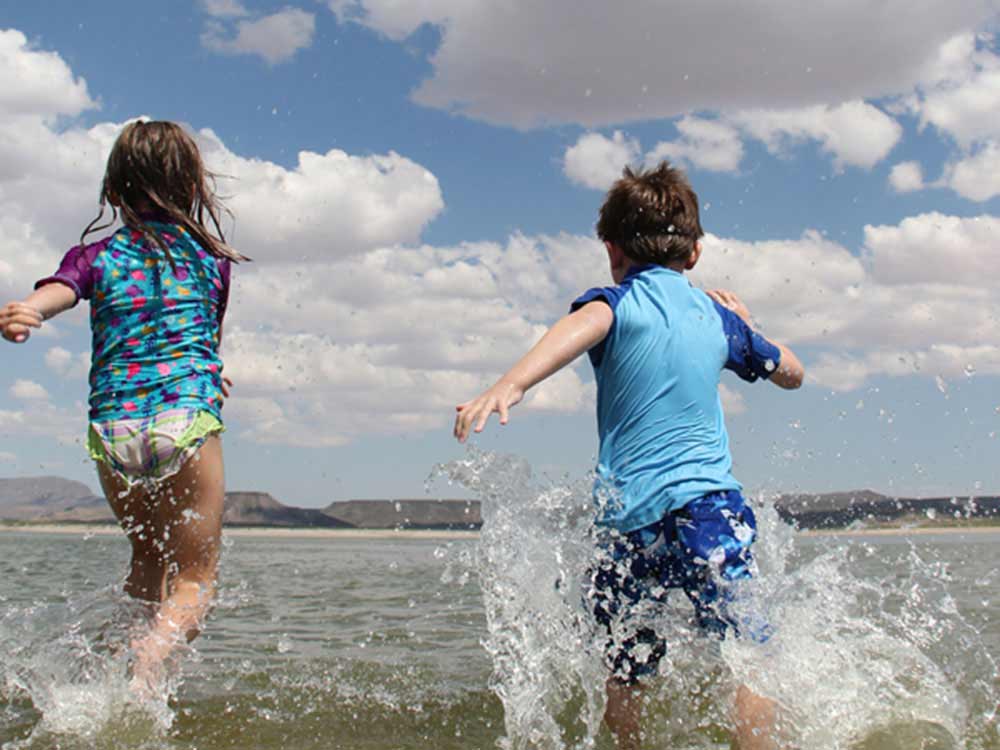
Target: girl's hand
{"points": [[729, 300], [472, 415], [226, 385], [16, 321]]}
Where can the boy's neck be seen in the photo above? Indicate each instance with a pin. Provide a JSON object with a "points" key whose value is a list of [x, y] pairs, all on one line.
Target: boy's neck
{"points": [[679, 266]]}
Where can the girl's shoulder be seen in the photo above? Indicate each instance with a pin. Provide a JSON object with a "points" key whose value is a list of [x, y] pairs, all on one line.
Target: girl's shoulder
{"points": [[77, 268], [90, 250]]}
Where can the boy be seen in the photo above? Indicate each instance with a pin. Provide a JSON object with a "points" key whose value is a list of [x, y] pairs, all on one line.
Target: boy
{"points": [[664, 484]]}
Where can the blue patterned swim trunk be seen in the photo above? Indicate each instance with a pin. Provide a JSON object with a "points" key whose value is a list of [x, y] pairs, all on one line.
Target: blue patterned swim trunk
{"points": [[699, 549]]}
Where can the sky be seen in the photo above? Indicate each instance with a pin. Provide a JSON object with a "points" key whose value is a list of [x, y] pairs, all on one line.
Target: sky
{"points": [[417, 184]]}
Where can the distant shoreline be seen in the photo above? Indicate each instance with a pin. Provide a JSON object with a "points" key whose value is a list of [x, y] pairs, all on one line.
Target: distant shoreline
{"points": [[902, 531], [83, 529]]}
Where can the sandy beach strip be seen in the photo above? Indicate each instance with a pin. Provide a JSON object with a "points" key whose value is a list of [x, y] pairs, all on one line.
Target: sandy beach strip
{"points": [[251, 531], [87, 530], [903, 531]]}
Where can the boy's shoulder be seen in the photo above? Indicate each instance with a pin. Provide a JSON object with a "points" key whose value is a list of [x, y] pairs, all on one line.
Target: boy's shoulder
{"points": [[612, 294], [660, 286]]}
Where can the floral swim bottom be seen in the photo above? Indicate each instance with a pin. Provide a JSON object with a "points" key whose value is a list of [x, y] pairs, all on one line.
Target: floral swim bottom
{"points": [[151, 449]]}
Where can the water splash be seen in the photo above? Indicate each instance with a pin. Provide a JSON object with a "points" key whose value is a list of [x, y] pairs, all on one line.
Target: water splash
{"points": [[70, 661], [869, 643]]}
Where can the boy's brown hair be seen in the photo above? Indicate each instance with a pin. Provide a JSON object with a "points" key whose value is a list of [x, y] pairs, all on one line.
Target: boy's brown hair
{"points": [[651, 215]]}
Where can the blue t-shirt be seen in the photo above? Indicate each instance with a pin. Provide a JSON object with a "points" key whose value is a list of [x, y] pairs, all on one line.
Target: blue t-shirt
{"points": [[659, 415]]}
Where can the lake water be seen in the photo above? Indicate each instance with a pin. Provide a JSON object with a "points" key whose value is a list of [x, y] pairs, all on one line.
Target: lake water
{"points": [[881, 643]]}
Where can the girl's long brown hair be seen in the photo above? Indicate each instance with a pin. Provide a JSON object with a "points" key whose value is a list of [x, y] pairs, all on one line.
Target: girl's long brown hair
{"points": [[155, 168]]}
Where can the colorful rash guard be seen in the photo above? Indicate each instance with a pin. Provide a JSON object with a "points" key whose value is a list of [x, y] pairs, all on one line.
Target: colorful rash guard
{"points": [[663, 440], [155, 328]]}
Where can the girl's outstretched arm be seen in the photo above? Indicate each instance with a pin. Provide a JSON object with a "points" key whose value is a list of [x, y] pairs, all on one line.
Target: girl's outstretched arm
{"points": [[564, 342], [18, 318]]}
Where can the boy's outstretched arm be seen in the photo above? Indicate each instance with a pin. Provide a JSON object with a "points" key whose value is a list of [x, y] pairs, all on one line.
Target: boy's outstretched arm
{"points": [[18, 318], [564, 342], [790, 372]]}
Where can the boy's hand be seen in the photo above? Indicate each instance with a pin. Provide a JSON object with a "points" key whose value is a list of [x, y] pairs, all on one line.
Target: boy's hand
{"points": [[16, 321], [499, 399], [570, 337], [730, 301]]}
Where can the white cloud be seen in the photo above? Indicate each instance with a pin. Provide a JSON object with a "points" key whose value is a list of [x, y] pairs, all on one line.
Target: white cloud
{"points": [[524, 64], [935, 248], [225, 8], [920, 300], [959, 93], [855, 133], [346, 213], [733, 402], [713, 145], [7, 458], [563, 392], [378, 333], [942, 362], [328, 205], [906, 177], [596, 161], [275, 38], [407, 334], [977, 176], [28, 390], [44, 419], [37, 83], [959, 96], [66, 364]]}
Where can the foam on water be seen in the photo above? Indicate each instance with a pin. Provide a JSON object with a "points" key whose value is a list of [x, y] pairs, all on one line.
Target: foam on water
{"points": [[855, 661], [69, 661]]}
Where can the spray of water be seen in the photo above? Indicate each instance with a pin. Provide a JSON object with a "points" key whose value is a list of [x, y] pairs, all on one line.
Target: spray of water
{"points": [[68, 672], [866, 651]]}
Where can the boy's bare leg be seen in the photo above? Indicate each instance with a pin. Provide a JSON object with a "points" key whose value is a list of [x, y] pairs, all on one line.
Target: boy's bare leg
{"points": [[755, 718], [181, 542], [623, 712]]}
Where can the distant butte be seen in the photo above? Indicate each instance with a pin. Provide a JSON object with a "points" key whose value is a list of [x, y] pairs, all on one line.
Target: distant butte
{"points": [[57, 500]]}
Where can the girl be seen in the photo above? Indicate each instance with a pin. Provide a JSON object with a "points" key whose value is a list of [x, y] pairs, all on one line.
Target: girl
{"points": [[158, 289]]}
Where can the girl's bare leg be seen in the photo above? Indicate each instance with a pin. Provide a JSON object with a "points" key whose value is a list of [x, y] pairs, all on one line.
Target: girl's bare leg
{"points": [[622, 713], [175, 554], [755, 720], [134, 511]]}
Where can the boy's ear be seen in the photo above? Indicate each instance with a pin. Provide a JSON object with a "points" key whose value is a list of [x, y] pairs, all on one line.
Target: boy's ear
{"points": [[694, 257], [615, 254]]}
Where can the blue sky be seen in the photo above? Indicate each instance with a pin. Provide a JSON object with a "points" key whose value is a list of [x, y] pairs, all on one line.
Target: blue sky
{"points": [[418, 184]]}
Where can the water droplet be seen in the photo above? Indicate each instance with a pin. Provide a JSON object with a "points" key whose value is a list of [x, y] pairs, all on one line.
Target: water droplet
{"points": [[941, 385]]}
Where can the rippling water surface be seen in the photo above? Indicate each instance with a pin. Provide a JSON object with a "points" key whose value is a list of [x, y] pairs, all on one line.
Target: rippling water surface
{"points": [[882, 643]]}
